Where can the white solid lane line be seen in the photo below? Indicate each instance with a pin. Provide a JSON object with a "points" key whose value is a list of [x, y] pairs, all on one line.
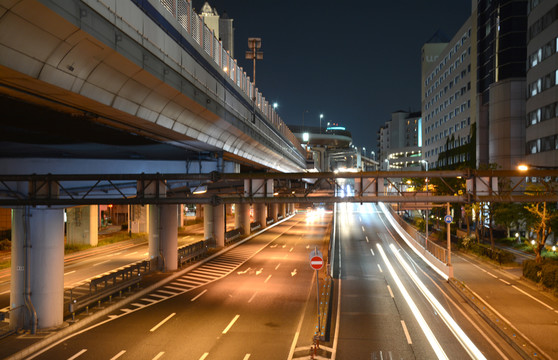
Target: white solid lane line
{"points": [[118, 355], [162, 322], [69, 272], [532, 297], [409, 341], [78, 354], [231, 324], [197, 296], [390, 292], [252, 297], [158, 356]]}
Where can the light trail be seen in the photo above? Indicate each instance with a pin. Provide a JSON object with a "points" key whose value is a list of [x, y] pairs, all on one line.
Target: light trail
{"points": [[467, 344], [440, 354]]}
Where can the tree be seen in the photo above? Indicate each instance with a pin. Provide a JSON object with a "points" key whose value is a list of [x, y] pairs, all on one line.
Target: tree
{"points": [[508, 215], [541, 220]]}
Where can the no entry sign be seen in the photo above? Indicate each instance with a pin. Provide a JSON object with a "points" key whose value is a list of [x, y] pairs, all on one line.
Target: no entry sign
{"points": [[316, 262]]}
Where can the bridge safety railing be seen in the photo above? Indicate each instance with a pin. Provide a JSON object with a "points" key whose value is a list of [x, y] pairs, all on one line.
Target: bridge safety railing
{"points": [[205, 38], [438, 251]]}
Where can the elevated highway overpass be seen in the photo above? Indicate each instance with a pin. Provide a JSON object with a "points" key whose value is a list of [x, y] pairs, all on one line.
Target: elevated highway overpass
{"points": [[125, 87]]}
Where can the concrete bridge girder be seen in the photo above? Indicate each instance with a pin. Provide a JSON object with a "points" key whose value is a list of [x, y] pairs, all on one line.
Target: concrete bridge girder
{"points": [[127, 81]]}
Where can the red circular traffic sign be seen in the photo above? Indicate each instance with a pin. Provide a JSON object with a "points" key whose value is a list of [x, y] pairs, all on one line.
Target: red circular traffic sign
{"points": [[316, 262]]}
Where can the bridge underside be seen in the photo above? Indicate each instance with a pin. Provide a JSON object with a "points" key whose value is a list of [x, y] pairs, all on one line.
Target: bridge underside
{"points": [[108, 79]]}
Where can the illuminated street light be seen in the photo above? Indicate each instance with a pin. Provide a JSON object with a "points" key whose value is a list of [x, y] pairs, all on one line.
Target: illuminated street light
{"points": [[522, 167], [201, 189], [321, 117], [275, 105]]}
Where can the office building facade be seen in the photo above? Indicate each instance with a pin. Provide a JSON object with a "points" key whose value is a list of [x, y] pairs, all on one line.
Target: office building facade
{"points": [[448, 99], [541, 148]]}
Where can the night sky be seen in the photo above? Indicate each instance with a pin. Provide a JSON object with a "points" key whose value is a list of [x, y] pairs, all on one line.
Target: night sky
{"points": [[355, 62]]}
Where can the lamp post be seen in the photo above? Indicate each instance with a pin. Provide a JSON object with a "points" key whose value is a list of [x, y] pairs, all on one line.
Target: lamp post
{"points": [[387, 160], [321, 117], [426, 181], [254, 44]]}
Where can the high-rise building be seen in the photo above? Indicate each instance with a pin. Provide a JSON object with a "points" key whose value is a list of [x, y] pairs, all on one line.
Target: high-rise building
{"points": [[222, 26], [542, 77], [448, 98], [399, 142], [501, 91]]}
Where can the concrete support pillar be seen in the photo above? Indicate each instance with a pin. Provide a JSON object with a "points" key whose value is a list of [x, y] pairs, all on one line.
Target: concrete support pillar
{"points": [[260, 214], [154, 233], [282, 209], [214, 223], [207, 221], [139, 219], [163, 229], [199, 211], [219, 225], [37, 282], [181, 216], [169, 236], [81, 225], [242, 219], [274, 211]]}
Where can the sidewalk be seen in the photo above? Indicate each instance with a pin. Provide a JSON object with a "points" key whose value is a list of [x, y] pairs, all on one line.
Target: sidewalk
{"points": [[524, 314]]}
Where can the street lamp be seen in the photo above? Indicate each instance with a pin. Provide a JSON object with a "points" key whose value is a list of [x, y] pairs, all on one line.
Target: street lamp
{"points": [[321, 117], [254, 44], [425, 162], [387, 160]]}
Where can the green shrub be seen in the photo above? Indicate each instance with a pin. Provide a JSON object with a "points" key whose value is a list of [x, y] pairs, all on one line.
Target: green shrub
{"points": [[545, 273], [498, 255], [532, 270], [550, 275]]}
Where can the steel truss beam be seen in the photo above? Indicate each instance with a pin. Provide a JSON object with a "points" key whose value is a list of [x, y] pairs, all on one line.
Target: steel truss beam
{"points": [[88, 189]]}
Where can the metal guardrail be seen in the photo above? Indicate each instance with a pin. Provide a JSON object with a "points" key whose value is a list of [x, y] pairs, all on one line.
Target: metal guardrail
{"points": [[83, 295], [192, 252], [232, 235], [255, 226]]}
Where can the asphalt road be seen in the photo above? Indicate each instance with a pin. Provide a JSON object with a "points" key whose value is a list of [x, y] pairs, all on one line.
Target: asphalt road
{"points": [[83, 266], [384, 314], [245, 304]]}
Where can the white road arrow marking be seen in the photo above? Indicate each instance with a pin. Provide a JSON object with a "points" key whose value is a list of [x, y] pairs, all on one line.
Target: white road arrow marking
{"points": [[293, 273], [243, 272], [258, 272]]}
